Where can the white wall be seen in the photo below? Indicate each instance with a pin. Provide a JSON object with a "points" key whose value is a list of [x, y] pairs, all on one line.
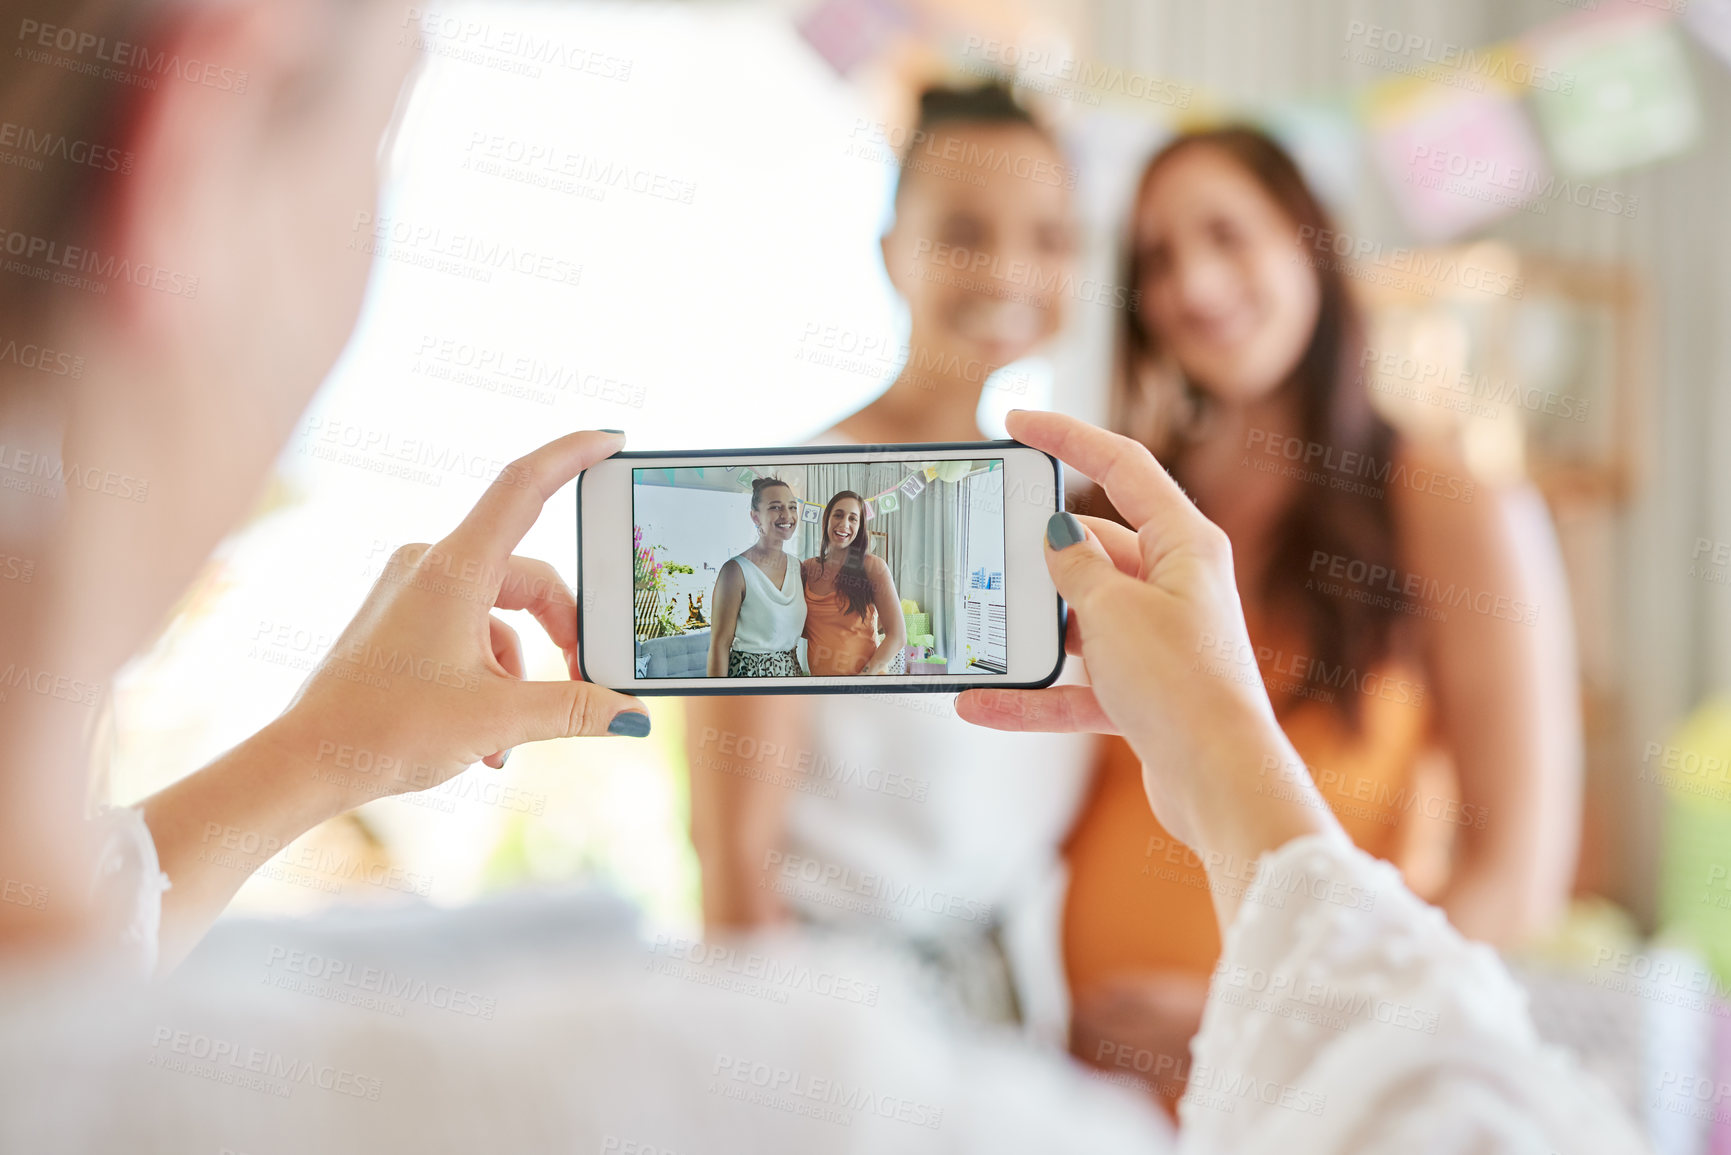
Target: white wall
{"points": [[696, 526]]}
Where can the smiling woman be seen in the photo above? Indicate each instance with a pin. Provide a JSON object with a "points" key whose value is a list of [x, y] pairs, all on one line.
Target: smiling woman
{"points": [[1237, 342], [844, 587], [759, 604]]}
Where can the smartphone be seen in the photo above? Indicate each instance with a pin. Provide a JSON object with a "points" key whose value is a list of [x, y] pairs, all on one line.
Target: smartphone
{"points": [[819, 570]]}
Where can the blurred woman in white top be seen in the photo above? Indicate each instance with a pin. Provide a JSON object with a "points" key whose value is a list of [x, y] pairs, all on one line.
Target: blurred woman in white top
{"points": [[882, 815], [759, 600]]}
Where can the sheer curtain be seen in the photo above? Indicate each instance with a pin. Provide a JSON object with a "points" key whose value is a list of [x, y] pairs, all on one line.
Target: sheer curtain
{"points": [[928, 532]]}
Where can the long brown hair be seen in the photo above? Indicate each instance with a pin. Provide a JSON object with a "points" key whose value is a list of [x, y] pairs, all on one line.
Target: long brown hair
{"points": [[57, 200], [1163, 411], [851, 580]]}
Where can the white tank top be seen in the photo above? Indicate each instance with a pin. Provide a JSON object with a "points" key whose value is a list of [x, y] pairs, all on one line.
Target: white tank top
{"points": [[915, 822], [770, 620]]}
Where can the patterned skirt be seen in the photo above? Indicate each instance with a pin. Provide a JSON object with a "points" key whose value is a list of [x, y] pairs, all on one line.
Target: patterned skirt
{"points": [[782, 665]]}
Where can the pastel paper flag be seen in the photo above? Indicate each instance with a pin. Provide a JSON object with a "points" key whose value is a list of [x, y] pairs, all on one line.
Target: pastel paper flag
{"points": [[1630, 98], [1323, 140], [888, 503], [953, 470], [1455, 160], [847, 33], [913, 486]]}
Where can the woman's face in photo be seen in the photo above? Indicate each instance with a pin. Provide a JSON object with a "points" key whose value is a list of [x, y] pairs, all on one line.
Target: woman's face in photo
{"points": [[982, 240], [1223, 286], [844, 519], [777, 513]]}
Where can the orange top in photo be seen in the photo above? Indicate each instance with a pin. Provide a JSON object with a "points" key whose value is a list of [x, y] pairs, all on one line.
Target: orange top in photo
{"points": [[837, 643]]}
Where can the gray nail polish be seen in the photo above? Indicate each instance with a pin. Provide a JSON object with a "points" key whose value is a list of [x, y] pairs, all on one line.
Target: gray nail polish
{"points": [[630, 724], [621, 432], [1064, 531], [505, 757]]}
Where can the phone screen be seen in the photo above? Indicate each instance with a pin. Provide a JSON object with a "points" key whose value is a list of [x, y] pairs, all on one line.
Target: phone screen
{"points": [[784, 570]]}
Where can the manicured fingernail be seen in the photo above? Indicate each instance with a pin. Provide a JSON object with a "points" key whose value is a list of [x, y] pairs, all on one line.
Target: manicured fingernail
{"points": [[630, 724], [621, 432], [505, 757], [1064, 531]]}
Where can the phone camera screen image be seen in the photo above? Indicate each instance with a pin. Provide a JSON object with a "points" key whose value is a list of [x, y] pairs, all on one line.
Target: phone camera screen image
{"points": [[850, 569]]}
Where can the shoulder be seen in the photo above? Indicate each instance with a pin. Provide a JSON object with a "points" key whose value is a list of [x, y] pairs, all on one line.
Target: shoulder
{"points": [[1435, 494], [877, 572], [809, 568], [731, 571], [1453, 525]]}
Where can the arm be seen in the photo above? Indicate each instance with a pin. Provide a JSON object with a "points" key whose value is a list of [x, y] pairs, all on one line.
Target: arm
{"points": [[728, 595], [1390, 1031], [889, 607], [743, 753], [48, 852], [213, 828], [1141, 601], [1374, 1024], [423, 683], [1502, 669]]}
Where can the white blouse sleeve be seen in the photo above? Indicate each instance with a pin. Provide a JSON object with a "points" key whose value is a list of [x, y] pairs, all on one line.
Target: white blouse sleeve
{"points": [[1346, 1016], [128, 890]]}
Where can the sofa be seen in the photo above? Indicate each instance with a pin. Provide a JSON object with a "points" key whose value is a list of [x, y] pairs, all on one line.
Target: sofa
{"points": [[678, 656]]}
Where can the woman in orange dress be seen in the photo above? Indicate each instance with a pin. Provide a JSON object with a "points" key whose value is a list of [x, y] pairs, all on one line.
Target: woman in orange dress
{"points": [[1411, 624], [848, 594]]}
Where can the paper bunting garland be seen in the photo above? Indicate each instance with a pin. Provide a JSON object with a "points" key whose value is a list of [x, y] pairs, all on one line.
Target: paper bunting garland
{"points": [[1609, 88], [910, 486]]}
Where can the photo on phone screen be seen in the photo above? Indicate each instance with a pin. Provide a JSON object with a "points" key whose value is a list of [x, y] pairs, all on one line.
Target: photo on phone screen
{"points": [[780, 570]]}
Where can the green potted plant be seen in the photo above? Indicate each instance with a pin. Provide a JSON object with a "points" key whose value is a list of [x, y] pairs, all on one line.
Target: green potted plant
{"points": [[650, 578]]}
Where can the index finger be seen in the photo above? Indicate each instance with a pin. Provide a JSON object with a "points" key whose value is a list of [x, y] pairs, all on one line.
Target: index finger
{"points": [[511, 504], [1138, 485]]}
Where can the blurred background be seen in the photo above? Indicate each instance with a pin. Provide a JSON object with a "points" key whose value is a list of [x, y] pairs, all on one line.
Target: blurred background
{"points": [[698, 206]]}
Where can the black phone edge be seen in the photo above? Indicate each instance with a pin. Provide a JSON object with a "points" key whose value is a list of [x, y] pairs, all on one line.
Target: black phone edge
{"points": [[788, 451]]}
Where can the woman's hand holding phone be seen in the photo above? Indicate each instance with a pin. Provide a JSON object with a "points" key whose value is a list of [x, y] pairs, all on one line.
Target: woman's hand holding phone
{"points": [[426, 678], [423, 683], [1151, 609]]}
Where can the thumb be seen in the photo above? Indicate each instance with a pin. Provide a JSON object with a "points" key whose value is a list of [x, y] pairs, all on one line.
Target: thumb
{"points": [[1080, 566], [575, 709]]}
